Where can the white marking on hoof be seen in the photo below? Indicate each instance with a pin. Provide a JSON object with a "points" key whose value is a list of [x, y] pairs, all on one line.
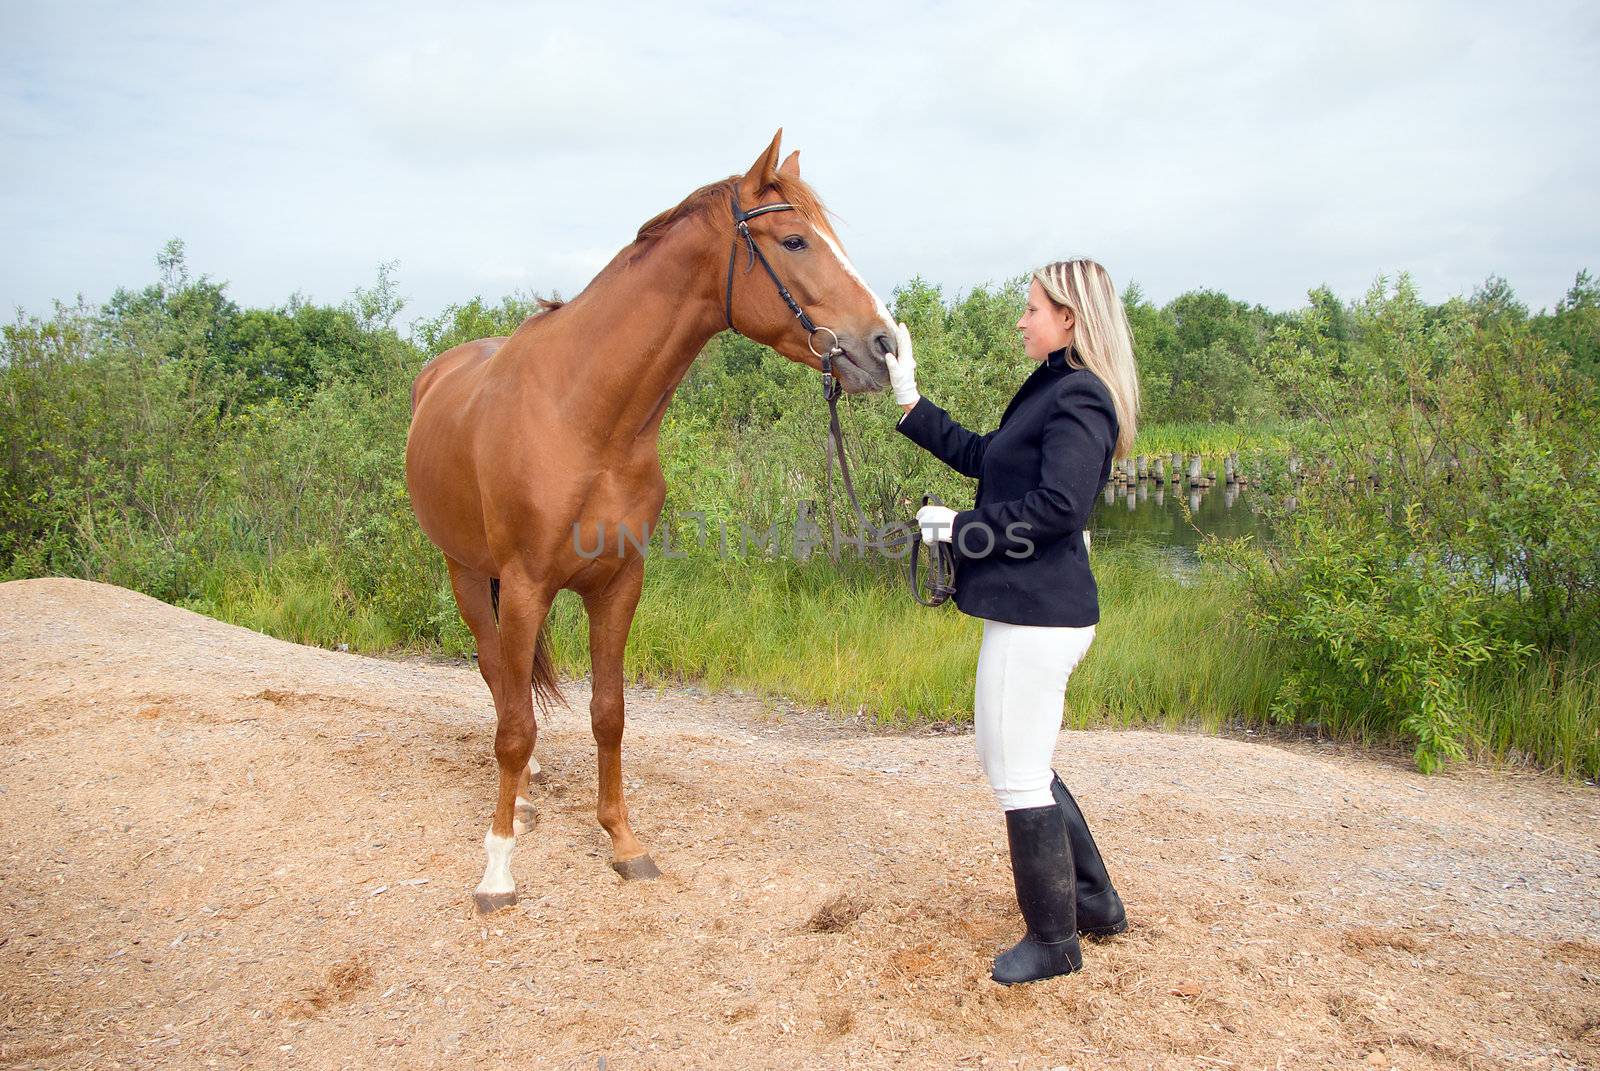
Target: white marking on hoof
{"points": [[533, 766], [522, 817], [497, 874]]}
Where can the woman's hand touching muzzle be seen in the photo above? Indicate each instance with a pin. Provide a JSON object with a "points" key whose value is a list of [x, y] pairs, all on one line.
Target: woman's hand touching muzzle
{"points": [[902, 368]]}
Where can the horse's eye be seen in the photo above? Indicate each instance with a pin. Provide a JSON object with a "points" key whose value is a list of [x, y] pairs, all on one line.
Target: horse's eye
{"points": [[794, 243]]}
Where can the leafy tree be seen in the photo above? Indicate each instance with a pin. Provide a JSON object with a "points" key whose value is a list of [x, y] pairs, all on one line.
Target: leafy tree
{"points": [[1155, 349], [1575, 324], [1495, 301]]}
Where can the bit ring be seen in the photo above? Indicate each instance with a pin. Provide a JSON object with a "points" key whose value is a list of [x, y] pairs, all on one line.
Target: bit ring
{"points": [[812, 347]]}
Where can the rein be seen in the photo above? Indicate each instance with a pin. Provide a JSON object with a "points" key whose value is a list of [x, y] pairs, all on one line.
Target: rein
{"points": [[941, 563]]}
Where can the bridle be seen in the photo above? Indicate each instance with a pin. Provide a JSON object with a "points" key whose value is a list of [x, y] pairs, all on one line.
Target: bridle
{"points": [[941, 578], [741, 218]]}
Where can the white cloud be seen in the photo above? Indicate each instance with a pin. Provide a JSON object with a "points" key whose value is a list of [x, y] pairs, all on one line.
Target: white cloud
{"points": [[1260, 149]]}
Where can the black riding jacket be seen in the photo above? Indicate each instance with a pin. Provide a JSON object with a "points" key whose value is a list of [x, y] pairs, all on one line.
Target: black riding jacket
{"points": [[1019, 552]]}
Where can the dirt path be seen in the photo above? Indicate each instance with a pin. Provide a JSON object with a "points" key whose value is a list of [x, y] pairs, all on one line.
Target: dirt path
{"points": [[221, 850]]}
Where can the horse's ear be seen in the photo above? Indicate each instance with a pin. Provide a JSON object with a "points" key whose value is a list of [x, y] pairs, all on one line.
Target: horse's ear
{"points": [[763, 173], [791, 166]]}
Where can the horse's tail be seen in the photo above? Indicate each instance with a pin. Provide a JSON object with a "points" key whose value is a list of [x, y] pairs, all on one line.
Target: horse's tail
{"points": [[546, 685]]}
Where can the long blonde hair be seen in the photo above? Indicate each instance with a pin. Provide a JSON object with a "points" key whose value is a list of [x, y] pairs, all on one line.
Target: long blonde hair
{"points": [[1101, 336]]}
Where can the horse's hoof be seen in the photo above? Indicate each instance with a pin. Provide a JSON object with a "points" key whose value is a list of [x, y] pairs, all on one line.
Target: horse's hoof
{"points": [[639, 868], [489, 903], [523, 818]]}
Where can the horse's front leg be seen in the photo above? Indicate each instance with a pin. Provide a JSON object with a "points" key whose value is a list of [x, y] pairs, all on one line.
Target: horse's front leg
{"points": [[523, 608], [610, 616]]}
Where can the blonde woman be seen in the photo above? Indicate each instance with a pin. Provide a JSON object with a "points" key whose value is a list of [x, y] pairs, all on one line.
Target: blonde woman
{"points": [[1022, 566]]}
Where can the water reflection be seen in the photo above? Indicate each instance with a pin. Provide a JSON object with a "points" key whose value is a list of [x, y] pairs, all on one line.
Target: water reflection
{"points": [[1152, 511]]}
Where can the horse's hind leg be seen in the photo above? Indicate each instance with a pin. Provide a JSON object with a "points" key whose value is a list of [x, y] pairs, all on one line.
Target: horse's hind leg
{"points": [[475, 596], [524, 605], [610, 615]]}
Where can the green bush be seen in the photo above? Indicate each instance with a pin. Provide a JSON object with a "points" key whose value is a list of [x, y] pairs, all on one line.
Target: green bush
{"points": [[1379, 632], [1447, 530]]}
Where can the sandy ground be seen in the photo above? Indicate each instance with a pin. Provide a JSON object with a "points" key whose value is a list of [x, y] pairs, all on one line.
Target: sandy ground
{"points": [[221, 850]]}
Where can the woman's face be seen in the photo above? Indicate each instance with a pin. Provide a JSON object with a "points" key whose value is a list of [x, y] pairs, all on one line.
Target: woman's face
{"points": [[1045, 326]]}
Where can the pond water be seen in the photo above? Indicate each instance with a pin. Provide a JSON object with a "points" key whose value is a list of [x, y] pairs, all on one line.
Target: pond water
{"points": [[1153, 513]]}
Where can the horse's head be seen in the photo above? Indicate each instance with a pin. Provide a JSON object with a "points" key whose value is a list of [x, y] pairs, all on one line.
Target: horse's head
{"points": [[808, 258]]}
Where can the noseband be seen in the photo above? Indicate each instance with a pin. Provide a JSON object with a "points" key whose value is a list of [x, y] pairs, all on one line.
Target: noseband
{"points": [[940, 583]]}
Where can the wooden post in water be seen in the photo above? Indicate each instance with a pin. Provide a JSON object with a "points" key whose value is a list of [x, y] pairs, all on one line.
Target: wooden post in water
{"points": [[1144, 466], [1195, 461], [1161, 470], [1230, 467]]}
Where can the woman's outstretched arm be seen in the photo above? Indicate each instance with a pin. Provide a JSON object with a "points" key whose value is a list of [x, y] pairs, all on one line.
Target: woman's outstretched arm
{"points": [[925, 423], [937, 432]]}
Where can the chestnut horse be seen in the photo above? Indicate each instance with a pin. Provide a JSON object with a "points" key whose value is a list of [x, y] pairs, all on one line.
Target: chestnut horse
{"points": [[517, 444]]}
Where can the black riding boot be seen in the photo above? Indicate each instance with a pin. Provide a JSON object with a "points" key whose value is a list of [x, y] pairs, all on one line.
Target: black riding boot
{"points": [[1100, 912], [1041, 866]]}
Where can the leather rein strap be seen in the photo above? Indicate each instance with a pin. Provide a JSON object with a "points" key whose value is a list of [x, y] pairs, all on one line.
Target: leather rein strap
{"points": [[941, 579], [941, 565]]}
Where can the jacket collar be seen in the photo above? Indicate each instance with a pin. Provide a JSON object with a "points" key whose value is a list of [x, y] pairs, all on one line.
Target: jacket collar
{"points": [[1054, 364], [1057, 359]]}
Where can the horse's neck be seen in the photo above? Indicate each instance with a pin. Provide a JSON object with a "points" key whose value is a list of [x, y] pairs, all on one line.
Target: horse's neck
{"points": [[620, 348]]}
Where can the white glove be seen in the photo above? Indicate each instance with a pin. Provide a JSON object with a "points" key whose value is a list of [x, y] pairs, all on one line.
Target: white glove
{"points": [[902, 368], [935, 522]]}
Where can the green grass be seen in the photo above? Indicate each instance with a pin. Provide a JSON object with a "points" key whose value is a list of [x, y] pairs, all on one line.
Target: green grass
{"points": [[1547, 714], [300, 600], [848, 637], [855, 641], [848, 640], [1211, 440]]}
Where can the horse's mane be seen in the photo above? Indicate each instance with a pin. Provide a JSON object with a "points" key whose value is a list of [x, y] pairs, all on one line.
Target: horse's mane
{"points": [[713, 196], [708, 200]]}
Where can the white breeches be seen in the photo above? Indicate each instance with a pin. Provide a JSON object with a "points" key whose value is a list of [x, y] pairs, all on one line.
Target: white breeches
{"points": [[1022, 680]]}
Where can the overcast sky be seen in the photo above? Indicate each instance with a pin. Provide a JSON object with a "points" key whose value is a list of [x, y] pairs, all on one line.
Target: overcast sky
{"points": [[1260, 149]]}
